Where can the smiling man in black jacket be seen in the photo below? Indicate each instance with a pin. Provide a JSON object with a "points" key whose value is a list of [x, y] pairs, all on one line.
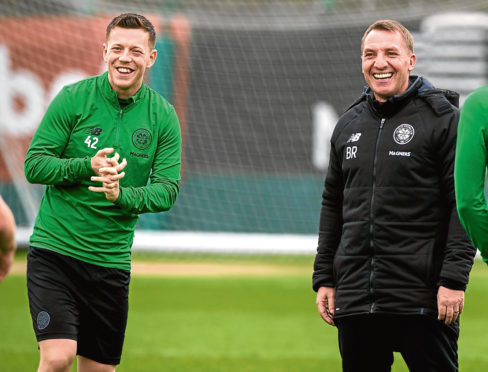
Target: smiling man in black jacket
{"points": [[393, 260]]}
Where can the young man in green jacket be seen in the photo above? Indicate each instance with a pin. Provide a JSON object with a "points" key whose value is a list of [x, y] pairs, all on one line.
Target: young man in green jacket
{"points": [[79, 261], [470, 168]]}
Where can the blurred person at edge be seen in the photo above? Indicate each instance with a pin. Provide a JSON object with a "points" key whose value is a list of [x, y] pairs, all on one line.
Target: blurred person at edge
{"points": [[470, 168], [393, 260], [8, 243], [78, 265]]}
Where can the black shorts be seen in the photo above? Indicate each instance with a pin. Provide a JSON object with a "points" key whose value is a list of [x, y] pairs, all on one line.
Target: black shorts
{"points": [[72, 299]]}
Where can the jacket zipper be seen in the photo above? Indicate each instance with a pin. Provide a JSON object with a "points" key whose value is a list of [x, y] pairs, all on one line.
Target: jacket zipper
{"points": [[117, 131], [371, 219]]}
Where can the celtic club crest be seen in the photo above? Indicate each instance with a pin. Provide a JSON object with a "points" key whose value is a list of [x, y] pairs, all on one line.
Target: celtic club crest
{"points": [[141, 138], [403, 134]]}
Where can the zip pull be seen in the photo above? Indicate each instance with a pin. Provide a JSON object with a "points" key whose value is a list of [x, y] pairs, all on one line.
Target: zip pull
{"points": [[382, 122]]}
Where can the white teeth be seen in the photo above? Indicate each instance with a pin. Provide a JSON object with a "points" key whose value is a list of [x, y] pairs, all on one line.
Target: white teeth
{"points": [[385, 75], [123, 70]]}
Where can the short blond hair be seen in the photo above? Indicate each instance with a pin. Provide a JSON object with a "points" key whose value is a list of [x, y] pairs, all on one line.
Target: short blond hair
{"points": [[393, 26]]}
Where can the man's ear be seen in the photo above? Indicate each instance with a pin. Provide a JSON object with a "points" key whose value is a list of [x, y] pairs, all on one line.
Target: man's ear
{"points": [[104, 52], [413, 61], [152, 58]]}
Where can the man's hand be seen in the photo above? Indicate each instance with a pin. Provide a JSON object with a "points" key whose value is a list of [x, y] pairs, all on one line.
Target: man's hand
{"points": [[326, 304], [6, 260], [100, 160], [110, 177], [450, 304], [8, 244]]}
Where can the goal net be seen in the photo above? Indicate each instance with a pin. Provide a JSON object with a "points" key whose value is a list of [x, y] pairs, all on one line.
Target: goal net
{"points": [[258, 86]]}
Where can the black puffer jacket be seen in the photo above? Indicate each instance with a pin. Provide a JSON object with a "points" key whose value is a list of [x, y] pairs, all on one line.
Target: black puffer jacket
{"points": [[389, 230]]}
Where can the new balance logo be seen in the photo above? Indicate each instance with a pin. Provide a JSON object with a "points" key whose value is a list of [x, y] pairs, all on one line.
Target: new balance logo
{"points": [[94, 131], [354, 137]]}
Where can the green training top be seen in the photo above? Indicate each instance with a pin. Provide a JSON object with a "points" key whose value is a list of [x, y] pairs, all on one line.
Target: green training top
{"points": [[84, 118], [470, 168]]}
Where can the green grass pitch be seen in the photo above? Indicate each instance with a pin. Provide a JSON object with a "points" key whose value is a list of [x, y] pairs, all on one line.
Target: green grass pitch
{"points": [[228, 323]]}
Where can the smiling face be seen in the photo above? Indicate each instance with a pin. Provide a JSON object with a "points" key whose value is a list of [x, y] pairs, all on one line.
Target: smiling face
{"points": [[128, 55], [386, 63]]}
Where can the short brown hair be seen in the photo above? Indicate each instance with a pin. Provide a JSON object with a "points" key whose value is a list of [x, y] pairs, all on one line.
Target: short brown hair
{"points": [[393, 26], [132, 20]]}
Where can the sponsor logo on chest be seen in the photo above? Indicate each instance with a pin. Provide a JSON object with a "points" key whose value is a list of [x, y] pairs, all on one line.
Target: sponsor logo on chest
{"points": [[402, 135], [141, 139]]}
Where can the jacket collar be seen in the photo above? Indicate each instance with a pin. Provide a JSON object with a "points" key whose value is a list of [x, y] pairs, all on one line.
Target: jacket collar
{"points": [[440, 100], [396, 102], [111, 96]]}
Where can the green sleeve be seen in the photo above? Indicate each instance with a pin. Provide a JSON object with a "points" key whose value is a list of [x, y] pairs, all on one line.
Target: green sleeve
{"points": [[161, 193], [470, 168], [44, 163]]}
